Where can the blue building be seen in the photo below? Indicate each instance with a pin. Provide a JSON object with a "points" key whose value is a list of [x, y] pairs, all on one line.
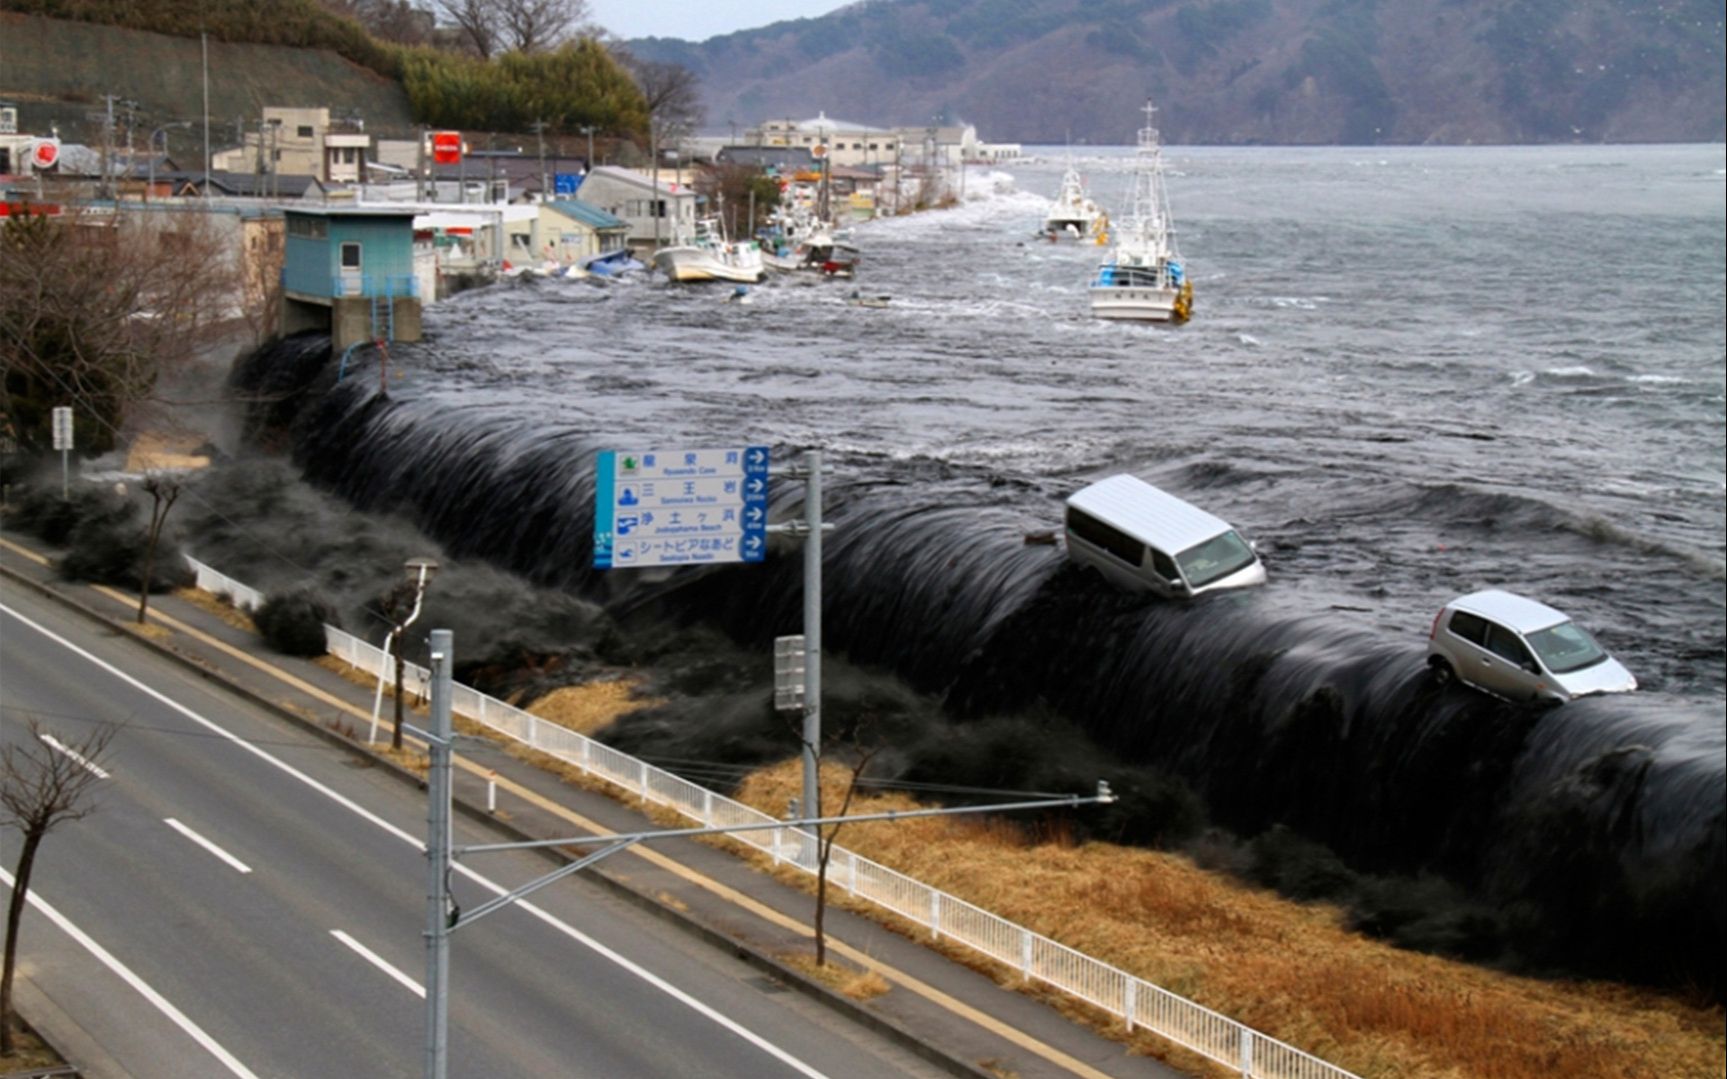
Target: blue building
{"points": [[350, 270]]}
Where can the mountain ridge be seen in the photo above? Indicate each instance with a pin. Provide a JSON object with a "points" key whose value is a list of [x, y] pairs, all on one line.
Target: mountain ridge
{"points": [[1235, 71]]}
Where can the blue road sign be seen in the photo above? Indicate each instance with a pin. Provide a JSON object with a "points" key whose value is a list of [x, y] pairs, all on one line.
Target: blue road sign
{"points": [[680, 507]]}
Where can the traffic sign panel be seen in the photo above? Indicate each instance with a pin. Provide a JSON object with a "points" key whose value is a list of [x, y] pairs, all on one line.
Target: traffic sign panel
{"points": [[680, 507]]}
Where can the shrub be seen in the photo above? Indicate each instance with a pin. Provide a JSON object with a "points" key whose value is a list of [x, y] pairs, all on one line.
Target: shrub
{"points": [[293, 622]]}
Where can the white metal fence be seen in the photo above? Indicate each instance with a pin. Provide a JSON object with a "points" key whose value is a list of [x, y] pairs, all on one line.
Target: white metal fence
{"points": [[1139, 1003]]}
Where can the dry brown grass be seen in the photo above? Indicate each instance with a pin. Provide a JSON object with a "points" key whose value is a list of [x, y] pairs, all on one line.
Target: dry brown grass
{"points": [[842, 977], [1290, 970], [590, 706], [150, 630], [218, 606]]}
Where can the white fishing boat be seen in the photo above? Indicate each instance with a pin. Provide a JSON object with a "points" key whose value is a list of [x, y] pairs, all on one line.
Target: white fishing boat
{"points": [[708, 256], [1142, 278], [1073, 214], [800, 241]]}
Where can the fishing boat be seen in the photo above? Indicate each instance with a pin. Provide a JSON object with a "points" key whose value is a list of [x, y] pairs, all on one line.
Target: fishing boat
{"points": [[1142, 278], [800, 241], [1073, 213], [708, 256]]}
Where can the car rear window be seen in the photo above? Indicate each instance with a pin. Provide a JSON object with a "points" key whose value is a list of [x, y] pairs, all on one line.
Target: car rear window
{"points": [[1471, 627]]}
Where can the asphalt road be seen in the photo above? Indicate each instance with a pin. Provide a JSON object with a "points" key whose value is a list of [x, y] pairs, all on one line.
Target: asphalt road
{"points": [[247, 900]]}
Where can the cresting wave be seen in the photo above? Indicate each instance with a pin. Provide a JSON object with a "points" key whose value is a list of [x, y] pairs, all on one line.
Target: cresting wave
{"points": [[1596, 829]]}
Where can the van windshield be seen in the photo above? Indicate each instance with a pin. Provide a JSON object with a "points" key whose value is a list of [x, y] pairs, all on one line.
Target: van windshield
{"points": [[1216, 558], [1566, 648]]}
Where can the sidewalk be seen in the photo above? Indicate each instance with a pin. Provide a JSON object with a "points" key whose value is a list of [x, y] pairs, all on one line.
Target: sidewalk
{"points": [[954, 1017]]}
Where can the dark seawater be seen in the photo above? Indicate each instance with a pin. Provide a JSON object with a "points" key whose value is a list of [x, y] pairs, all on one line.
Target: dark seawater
{"points": [[1411, 373]]}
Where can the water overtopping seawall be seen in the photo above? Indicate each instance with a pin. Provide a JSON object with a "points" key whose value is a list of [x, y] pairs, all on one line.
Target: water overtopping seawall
{"points": [[1598, 826]]}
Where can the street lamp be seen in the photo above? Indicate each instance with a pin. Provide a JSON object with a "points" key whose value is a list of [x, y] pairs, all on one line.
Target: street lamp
{"points": [[420, 572], [588, 130], [150, 152]]}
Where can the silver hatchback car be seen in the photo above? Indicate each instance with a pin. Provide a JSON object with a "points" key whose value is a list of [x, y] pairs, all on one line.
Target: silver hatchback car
{"points": [[1519, 649]]}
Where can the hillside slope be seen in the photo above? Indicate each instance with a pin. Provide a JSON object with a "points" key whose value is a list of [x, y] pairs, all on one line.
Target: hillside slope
{"points": [[58, 72], [1236, 71]]}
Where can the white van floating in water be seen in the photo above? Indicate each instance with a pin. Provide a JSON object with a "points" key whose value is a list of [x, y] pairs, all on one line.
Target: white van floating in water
{"points": [[1140, 537]]}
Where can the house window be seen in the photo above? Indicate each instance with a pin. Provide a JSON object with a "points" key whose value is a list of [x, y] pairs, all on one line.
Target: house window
{"points": [[304, 131], [350, 256]]}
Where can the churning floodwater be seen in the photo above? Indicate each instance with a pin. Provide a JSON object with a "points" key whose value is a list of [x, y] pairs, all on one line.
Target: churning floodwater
{"points": [[1411, 373]]}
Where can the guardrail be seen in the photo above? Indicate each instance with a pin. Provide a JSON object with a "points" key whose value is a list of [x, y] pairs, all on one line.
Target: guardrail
{"points": [[1139, 1003]]}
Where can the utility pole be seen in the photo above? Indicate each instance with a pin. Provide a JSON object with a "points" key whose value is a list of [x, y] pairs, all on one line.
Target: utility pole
{"points": [[204, 38], [545, 184], [440, 915]]}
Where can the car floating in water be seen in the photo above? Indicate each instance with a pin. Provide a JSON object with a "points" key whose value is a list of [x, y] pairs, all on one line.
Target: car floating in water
{"points": [[1144, 539], [1516, 648]]}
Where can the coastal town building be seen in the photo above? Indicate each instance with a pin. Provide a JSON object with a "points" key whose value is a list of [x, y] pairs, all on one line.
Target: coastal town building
{"points": [[655, 213], [842, 142], [301, 142]]}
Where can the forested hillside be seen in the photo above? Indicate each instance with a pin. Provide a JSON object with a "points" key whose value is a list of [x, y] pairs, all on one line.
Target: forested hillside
{"points": [[60, 59], [1236, 71]]}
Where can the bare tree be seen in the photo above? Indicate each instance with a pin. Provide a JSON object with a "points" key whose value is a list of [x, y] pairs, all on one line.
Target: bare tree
{"points": [[95, 308], [476, 22], [43, 783], [673, 94], [825, 837], [493, 26], [163, 491], [539, 25]]}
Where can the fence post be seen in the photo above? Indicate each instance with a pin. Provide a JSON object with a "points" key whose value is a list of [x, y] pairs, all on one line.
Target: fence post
{"points": [[852, 873], [642, 771], [1025, 954], [707, 808], [1129, 1001], [935, 914], [1246, 1052]]}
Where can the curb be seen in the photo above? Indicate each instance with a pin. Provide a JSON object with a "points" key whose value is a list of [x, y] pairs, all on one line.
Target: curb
{"points": [[700, 929]]}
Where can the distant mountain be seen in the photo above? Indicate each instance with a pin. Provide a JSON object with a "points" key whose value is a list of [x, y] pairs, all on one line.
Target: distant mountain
{"points": [[1235, 71]]}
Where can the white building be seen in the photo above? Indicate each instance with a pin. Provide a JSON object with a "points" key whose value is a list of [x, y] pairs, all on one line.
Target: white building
{"points": [[843, 143], [661, 213]]}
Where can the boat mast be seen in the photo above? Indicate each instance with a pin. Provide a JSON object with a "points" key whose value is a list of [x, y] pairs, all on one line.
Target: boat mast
{"points": [[1150, 201]]}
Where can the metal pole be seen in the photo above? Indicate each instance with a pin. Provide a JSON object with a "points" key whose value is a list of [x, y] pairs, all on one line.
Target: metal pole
{"points": [[204, 38], [438, 858], [812, 806]]}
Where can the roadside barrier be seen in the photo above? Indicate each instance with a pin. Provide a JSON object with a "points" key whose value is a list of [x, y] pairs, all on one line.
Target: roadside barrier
{"points": [[1140, 1004]]}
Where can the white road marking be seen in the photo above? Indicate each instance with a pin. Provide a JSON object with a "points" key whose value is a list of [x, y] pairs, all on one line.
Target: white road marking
{"points": [[378, 961], [237, 864], [497, 889], [178, 1017], [83, 762]]}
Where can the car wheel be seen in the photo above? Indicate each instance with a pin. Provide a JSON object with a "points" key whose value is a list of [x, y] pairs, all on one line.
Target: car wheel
{"points": [[1441, 671]]}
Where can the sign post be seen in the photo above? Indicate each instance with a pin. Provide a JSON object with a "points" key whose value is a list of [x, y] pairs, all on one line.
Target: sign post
{"points": [[680, 507], [62, 418]]}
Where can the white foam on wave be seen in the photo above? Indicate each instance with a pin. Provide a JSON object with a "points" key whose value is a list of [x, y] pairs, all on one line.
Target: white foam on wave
{"points": [[1658, 380], [1248, 340], [1522, 378], [1574, 371]]}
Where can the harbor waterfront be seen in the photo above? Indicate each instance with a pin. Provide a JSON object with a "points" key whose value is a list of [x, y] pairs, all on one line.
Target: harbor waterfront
{"points": [[1411, 373]]}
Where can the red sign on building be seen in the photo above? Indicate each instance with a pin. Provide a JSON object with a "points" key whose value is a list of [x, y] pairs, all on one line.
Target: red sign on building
{"points": [[447, 147]]}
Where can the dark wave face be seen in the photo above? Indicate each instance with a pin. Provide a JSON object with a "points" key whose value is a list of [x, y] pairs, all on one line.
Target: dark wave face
{"points": [[1411, 374]]}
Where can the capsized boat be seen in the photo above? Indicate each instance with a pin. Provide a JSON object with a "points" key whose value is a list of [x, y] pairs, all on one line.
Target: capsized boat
{"points": [[1073, 213], [1142, 278], [708, 256]]}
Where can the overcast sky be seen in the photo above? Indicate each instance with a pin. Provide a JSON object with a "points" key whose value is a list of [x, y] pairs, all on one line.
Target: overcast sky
{"points": [[698, 20]]}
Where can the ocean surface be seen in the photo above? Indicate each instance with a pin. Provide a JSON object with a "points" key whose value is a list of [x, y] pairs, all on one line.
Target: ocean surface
{"points": [[1411, 373]]}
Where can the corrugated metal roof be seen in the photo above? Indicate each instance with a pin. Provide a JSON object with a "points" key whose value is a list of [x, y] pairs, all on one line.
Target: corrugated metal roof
{"points": [[1148, 513], [588, 214]]}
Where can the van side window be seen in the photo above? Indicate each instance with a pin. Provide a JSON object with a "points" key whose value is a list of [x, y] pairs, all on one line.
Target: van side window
{"points": [[1472, 628], [1164, 565], [1111, 539], [1504, 644]]}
